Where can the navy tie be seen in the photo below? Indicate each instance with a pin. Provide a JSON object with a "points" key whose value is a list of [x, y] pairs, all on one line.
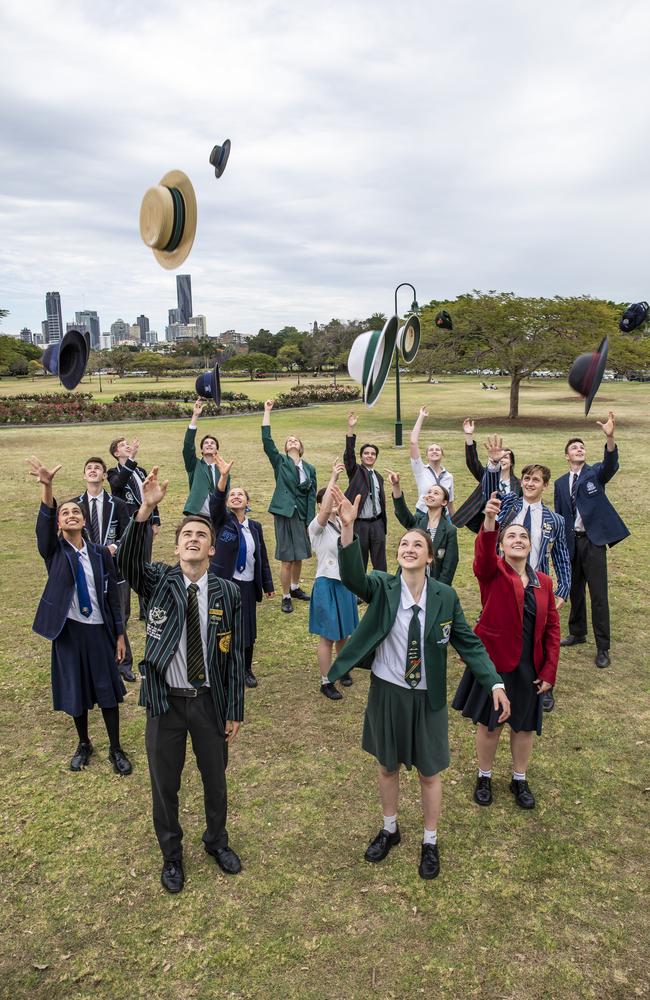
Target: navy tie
{"points": [[241, 554], [574, 490], [528, 522], [94, 522], [83, 593]]}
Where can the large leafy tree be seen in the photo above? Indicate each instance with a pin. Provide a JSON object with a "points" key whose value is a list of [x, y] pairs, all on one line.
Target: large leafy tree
{"points": [[252, 363]]}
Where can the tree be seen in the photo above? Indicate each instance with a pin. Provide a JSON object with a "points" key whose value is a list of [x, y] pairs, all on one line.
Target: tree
{"points": [[18, 367], [252, 363], [290, 355], [153, 363]]}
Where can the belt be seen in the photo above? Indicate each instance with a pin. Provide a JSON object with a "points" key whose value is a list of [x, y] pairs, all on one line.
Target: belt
{"points": [[188, 692], [369, 520], [580, 534]]}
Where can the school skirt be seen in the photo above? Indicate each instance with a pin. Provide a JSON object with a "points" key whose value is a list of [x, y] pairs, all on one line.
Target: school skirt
{"points": [[332, 610], [475, 703], [291, 538], [400, 727], [84, 671], [248, 611]]}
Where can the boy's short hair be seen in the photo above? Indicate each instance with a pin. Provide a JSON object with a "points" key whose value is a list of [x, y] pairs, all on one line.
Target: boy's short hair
{"points": [[573, 441], [113, 445], [368, 445], [205, 438], [534, 467], [97, 461], [194, 517]]}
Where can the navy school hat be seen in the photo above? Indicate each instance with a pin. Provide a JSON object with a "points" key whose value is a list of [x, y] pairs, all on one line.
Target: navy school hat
{"points": [[587, 371], [219, 158], [443, 320], [68, 358], [208, 385], [634, 316]]}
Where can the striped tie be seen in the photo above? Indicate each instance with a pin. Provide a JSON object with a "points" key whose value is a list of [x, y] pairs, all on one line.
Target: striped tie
{"points": [[195, 661], [413, 671], [94, 522], [574, 490]]}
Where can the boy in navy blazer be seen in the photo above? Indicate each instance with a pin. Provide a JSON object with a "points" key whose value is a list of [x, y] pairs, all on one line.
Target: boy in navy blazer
{"points": [[592, 524]]}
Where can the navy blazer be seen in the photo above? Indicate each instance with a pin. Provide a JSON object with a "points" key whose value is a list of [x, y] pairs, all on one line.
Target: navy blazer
{"points": [[602, 523], [61, 562], [553, 541], [121, 480], [115, 517], [227, 529]]}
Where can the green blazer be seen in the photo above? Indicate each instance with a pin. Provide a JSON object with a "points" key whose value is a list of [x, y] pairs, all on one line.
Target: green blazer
{"points": [[444, 623], [445, 540], [198, 474], [285, 496]]}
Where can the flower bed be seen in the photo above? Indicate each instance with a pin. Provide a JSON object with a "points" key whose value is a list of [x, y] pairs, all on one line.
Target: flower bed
{"points": [[178, 394]]}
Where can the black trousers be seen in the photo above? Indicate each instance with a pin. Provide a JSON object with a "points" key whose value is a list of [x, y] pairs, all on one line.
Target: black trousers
{"points": [[165, 740], [372, 538], [124, 595], [148, 550], [589, 569]]}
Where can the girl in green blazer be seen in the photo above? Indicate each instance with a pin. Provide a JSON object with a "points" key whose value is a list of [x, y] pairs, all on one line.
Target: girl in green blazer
{"points": [[402, 639], [443, 533]]}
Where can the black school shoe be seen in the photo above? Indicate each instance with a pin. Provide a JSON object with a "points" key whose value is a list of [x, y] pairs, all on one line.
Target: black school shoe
{"points": [[250, 680], [483, 791], [379, 847], [172, 876], [346, 681], [573, 640], [287, 606], [81, 756], [548, 701], [227, 860], [121, 763], [298, 594], [522, 793], [602, 658], [429, 861], [330, 691]]}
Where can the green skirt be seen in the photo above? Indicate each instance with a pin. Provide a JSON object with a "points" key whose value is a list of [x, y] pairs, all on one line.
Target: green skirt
{"points": [[291, 538], [400, 727]]}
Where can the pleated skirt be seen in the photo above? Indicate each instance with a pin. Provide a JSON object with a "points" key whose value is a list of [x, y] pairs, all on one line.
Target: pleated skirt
{"points": [[84, 671], [400, 727], [332, 610], [291, 538]]}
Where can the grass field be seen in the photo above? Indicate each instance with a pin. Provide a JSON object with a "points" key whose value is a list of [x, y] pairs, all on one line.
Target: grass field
{"points": [[548, 904]]}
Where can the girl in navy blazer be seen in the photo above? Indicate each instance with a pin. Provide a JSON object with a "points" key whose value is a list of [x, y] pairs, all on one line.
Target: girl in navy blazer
{"points": [[520, 628], [79, 612], [240, 555]]}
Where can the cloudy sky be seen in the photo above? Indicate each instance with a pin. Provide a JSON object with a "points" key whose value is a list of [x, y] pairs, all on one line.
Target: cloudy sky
{"points": [[460, 145]]}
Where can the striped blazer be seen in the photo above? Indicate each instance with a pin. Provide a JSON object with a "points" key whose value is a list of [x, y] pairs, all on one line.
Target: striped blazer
{"points": [[164, 595], [553, 541]]}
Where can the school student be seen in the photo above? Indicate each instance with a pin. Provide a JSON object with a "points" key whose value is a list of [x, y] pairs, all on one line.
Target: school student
{"points": [[371, 525], [402, 639], [202, 473], [444, 536], [434, 472], [80, 614], [470, 513]]}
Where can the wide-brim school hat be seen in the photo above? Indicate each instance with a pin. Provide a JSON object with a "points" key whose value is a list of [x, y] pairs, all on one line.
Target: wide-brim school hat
{"points": [[208, 385], [408, 338], [168, 219], [444, 320], [587, 372], [370, 359], [68, 358], [219, 157], [634, 316]]}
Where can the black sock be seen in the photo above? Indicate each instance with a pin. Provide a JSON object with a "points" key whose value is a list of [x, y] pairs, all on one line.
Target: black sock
{"points": [[81, 723], [248, 660], [112, 723]]}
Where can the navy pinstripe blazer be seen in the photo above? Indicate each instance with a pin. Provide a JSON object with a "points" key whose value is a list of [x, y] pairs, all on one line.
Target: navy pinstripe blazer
{"points": [[553, 541], [164, 595]]}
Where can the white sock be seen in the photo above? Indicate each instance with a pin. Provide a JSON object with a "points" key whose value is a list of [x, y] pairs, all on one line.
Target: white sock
{"points": [[518, 775], [295, 586], [286, 595], [484, 774], [324, 680], [430, 836], [390, 823]]}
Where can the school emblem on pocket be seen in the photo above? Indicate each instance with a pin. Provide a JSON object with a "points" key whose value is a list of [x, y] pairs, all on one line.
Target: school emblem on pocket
{"points": [[224, 642], [440, 554], [445, 628], [157, 616]]}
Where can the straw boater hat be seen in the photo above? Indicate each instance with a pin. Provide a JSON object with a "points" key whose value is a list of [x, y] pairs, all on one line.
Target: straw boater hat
{"points": [[68, 358], [408, 338], [587, 371], [168, 219], [370, 358]]}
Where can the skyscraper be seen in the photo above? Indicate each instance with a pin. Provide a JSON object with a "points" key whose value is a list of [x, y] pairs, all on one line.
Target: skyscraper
{"points": [[54, 320], [26, 335], [184, 297], [143, 323], [90, 319]]}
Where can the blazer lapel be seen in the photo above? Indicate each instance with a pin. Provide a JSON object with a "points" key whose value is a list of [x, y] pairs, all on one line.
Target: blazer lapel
{"points": [[215, 603], [109, 506], [98, 572], [433, 607]]}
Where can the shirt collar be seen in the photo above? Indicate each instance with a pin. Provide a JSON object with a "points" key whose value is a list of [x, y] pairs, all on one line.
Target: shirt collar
{"points": [[533, 506], [83, 551], [202, 583], [407, 601]]}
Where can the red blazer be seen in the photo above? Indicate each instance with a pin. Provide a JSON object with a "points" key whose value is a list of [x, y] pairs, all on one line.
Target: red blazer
{"points": [[500, 627]]}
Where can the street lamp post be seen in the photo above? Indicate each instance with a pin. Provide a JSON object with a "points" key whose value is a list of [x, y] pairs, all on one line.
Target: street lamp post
{"points": [[398, 413]]}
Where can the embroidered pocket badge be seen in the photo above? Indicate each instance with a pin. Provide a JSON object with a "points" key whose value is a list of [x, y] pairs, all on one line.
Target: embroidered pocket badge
{"points": [[445, 627], [224, 642]]}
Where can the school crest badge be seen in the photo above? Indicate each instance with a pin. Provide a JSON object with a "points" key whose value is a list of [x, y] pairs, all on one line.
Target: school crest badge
{"points": [[445, 628], [157, 616], [224, 642]]}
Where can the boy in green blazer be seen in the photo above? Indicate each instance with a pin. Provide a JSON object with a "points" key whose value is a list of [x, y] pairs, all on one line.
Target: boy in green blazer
{"points": [[202, 472], [444, 535], [403, 638]]}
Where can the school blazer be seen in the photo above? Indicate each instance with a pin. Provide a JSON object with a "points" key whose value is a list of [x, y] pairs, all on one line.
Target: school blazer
{"points": [[500, 626], [164, 595], [61, 562], [601, 519], [198, 474], [360, 479], [115, 517], [445, 623], [121, 481], [445, 540], [227, 529], [553, 541], [287, 485]]}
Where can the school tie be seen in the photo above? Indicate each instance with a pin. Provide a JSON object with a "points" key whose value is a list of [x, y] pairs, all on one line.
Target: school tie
{"points": [[574, 490], [528, 522], [373, 495], [94, 522], [195, 661], [241, 554], [413, 670], [83, 593]]}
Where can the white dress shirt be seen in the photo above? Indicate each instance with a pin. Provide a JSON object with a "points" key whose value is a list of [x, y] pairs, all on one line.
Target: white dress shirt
{"points": [[74, 611], [176, 675], [366, 513], [248, 573], [100, 514], [535, 529], [425, 478], [302, 475], [325, 543], [390, 656], [578, 524]]}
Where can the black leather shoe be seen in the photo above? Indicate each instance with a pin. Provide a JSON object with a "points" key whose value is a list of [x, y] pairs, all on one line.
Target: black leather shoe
{"points": [[430, 861], [121, 763], [227, 860], [173, 876], [81, 757], [128, 675], [346, 681], [298, 594], [602, 658], [287, 606], [573, 640], [483, 791], [379, 847], [250, 680], [522, 793], [330, 691], [548, 701]]}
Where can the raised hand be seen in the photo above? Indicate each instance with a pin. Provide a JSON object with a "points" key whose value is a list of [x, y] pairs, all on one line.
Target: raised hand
{"points": [[608, 426], [153, 491], [468, 426], [134, 448], [393, 477], [494, 447], [197, 409], [223, 466], [337, 469], [423, 413], [492, 508], [352, 420], [40, 472], [348, 512], [268, 405]]}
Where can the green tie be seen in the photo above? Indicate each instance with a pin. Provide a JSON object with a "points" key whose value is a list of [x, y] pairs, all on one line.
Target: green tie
{"points": [[413, 670], [195, 661]]}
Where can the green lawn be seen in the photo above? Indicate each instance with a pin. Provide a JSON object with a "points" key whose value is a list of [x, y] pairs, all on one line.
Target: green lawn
{"points": [[547, 904]]}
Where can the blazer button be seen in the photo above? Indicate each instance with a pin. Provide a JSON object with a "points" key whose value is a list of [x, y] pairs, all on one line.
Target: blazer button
{"points": [[201, 677]]}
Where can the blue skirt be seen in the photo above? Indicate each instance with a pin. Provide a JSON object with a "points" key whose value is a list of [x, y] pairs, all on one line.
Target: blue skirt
{"points": [[332, 610], [84, 671]]}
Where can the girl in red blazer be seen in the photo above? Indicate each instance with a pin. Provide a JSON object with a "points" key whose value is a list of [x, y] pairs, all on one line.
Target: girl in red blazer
{"points": [[520, 628]]}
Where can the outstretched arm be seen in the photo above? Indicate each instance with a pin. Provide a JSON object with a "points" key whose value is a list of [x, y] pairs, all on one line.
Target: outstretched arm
{"points": [[44, 476], [415, 433], [326, 505], [349, 457], [46, 522]]}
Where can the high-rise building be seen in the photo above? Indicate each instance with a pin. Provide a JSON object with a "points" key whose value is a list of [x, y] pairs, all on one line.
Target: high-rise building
{"points": [[44, 331], [201, 324], [143, 323], [184, 297], [106, 341], [90, 319], [26, 335], [54, 320], [173, 316], [120, 331]]}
